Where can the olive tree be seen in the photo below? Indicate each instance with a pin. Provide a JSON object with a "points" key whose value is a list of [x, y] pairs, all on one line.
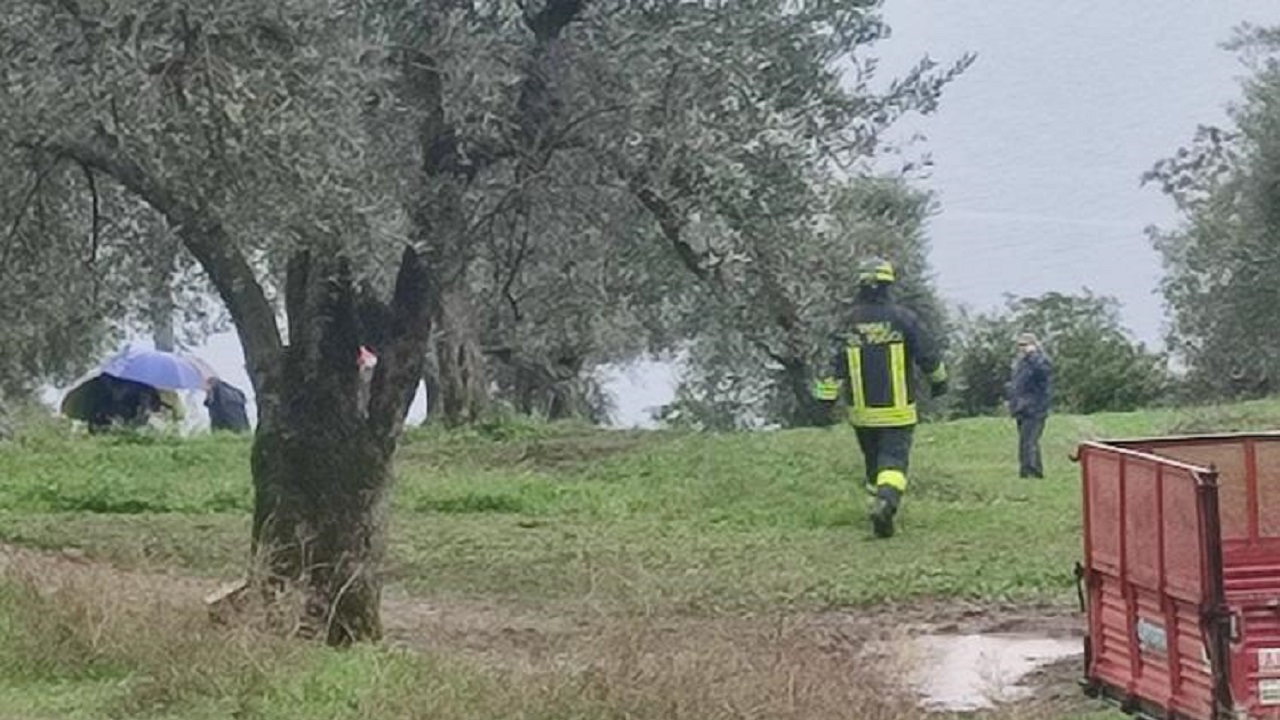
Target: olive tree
{"points": [[243, 127]]}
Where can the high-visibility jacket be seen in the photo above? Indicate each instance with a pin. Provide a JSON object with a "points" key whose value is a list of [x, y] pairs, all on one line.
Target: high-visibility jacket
{"points": [[872, 367]]}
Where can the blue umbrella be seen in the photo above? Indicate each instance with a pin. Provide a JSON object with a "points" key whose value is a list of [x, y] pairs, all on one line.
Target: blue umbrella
{"points": [[162, 370]]}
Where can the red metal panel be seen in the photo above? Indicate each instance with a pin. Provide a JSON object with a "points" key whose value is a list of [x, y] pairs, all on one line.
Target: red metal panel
{"points": [[1141, 524], [1183, 568], [1227, 456], [1250, 487], [1103, 492], [1251, 571], [1217, 573], [1249, 478], [1267, 459], [1195, 676], [1256, 661], [1151, 671], [1183, 593], [1111, 634], [1146, 569]]}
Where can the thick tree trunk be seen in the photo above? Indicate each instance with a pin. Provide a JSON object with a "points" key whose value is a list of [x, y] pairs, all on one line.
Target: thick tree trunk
{"points": [[556, 391], [323, 460], [464, 381], [322, 464], [566, 402], [320, 522], [568, 398]]}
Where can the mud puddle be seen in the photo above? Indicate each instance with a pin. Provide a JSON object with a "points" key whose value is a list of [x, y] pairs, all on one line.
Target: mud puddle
{"points": [[965, 673]]}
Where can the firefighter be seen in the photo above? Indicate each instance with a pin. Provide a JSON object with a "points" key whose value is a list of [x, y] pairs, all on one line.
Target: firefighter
{"points": [[872, 374]]}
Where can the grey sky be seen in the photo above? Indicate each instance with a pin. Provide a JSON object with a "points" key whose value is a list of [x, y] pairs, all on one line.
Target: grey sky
{"points": [[1037, 148]]}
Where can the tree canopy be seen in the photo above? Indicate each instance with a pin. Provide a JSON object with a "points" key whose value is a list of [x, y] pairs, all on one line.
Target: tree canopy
{"points": [[1222, 259]]}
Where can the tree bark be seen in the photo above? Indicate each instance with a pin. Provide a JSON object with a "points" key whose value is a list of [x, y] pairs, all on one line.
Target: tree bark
{"points": [[322, 493], [463, 377], [431, 381], [161, 306], [161, 310], [322, 468]]}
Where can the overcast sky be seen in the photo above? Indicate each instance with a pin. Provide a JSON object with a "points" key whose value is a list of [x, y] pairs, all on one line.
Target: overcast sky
{"points": [[1038, 148]]}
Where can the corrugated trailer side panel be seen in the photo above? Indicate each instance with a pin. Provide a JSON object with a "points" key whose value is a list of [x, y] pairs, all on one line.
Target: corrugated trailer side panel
{"points": [[1185, 590], [1252, 579], [1143, 573], [1248, 467], [1145, 582]]}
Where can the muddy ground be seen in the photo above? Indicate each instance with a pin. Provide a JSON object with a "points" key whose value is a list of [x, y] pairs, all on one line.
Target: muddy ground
{"points": [[581, 636]]}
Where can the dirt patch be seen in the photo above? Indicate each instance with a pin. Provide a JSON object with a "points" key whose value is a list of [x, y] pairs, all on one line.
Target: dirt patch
{"points": [[49, 570], [831, 658], [877, 648], [501, 630], [1057, 685]]}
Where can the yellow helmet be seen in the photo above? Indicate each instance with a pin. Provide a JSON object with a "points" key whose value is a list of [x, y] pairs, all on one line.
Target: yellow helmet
{"points": [[876, 271]]}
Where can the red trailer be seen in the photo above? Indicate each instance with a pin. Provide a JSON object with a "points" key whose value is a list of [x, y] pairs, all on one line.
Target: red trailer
{"points": [[1181, 575]]}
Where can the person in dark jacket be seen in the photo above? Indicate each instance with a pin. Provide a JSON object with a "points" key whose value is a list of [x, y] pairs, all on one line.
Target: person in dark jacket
{"points": [[226, 406], [1030, 393], [872, 373], [116, 402]]}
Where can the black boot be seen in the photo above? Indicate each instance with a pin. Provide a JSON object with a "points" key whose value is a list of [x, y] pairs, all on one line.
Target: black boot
{"points": [[886, 506]]}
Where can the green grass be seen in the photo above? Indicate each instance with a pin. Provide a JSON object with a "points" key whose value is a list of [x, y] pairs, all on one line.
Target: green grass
{"points": [[549, 518], [549, 514], [126, 475]]}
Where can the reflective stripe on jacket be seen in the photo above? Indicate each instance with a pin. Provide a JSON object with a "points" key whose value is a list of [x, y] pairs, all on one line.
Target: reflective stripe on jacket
{"points": [[873, 365]]}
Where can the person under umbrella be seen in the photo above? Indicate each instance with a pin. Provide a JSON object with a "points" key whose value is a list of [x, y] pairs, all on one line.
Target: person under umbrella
{"points": [[106, 401], [226, 404], [129, 387], [159, 369]]}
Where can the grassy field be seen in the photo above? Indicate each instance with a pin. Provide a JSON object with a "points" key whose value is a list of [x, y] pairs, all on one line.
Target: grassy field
{"points": [[539, 571]]}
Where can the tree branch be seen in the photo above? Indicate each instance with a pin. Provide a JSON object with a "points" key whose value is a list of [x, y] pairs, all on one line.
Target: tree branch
{"points": [[514, 271], [95, 226], [562, 139], [401, 362], [206, 239], [672, 226], [21, 213], [297, 278]]}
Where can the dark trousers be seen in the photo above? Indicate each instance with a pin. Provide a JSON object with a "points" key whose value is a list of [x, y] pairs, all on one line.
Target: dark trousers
{"points": [[1030, 428], [884, 448]]}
